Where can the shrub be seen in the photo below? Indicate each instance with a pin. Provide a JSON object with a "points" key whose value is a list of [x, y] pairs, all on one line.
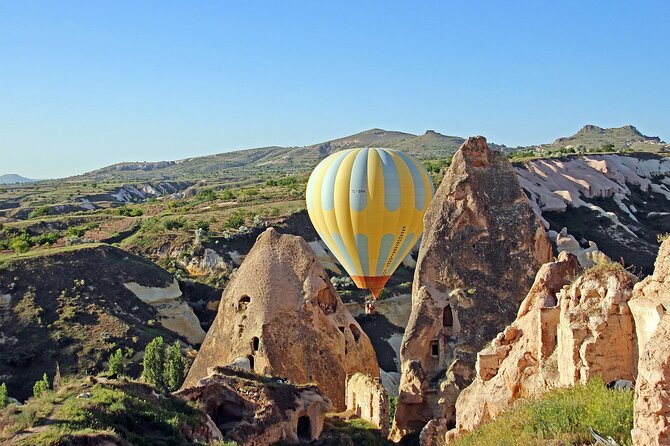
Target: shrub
{"points": [[202, 224], [19, 245], [39, 212], [45, 239], [227, 194], [206, 195], [128, 212], [154, 362], [79, 231], [41, 386], [116, 365], [384, 294], [4, 397], [174, 223], [235, 220], [174, 372]]}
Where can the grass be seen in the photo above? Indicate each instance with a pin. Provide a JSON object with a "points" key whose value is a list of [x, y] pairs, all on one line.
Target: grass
{"points": [[563, 416], [116, 409]]}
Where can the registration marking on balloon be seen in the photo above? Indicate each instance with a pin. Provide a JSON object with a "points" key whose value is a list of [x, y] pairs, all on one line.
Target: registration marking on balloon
{"points": [[367, 205]]}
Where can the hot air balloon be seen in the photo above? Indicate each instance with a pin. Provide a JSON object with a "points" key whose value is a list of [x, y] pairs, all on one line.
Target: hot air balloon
{"points": [[367, 205]]}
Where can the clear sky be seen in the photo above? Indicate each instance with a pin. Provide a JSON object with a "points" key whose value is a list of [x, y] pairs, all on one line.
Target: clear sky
{"points": [[87, 84]]}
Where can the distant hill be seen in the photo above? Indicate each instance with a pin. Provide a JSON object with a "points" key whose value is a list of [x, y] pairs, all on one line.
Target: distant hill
{"points": [[11, 178], [431, 145], [283, 160], [594, 137]]}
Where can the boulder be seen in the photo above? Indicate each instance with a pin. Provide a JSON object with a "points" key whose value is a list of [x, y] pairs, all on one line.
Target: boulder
{"points": [[481, 248], [281, 314], [254, 410]]}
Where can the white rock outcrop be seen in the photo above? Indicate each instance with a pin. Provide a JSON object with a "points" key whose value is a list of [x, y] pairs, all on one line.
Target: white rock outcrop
{"points": [[175, 313]]}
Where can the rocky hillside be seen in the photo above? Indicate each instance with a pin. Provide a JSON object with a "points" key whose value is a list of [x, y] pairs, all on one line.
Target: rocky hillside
{"points": [[285, 160], [290, 160], [619, 202], [76, 305], [594, 137]]}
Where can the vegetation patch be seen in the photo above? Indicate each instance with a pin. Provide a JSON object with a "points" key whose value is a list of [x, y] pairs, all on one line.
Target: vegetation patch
{"points": [[562, 416]]}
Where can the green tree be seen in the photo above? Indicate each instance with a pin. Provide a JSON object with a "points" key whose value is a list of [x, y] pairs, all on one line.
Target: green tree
{"points": [[4, 398], [174, 368], [116, 365], [154, 362], [41, 386]]}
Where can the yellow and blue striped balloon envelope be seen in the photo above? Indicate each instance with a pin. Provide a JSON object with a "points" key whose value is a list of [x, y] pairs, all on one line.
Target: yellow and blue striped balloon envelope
{"points": [[367, 205]]}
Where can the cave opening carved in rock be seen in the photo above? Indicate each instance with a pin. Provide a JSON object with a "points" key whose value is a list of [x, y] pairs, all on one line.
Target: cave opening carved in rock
{"points": [[243, 303], [355, 331], [304, 428], [326, 301], [227, 416]]}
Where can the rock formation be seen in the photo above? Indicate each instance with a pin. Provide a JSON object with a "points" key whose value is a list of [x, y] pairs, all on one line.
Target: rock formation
{"points": [[368, 400], [587, 256], [253, 410], [563, 335], [652, 390], [175, 313], [481, 247], [280, 315]]}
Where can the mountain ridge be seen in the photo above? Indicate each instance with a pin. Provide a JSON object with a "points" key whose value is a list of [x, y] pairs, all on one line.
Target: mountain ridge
{"points": [[289, 160]]}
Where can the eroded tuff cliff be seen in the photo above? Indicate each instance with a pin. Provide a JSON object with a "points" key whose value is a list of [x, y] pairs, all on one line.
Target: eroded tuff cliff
{"points": [[481, 248], [652, 396], [280, 315], [568, 330]]}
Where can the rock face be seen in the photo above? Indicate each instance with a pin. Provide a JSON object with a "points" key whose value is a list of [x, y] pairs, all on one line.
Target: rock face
{"points": [[652, 395], [481, 247], [253, 410], [280, 315], [368, 399], [596, 330], [175, 313], [563, 335]]}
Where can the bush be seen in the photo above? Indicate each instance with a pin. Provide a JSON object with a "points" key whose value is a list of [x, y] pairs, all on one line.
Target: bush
{"points": [[45, 239], [174, 223], [227, 194], [41, 386], [385, 293], [174, 372], [4, 397], [154, 362], [235, 220], [39, 212], [116, 365], [202, 224], [128, 212], [79, 231], [19, 245], [206, 195]]}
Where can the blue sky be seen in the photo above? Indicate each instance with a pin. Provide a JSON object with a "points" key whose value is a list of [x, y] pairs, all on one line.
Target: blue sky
{"points": [[87, 84]]}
